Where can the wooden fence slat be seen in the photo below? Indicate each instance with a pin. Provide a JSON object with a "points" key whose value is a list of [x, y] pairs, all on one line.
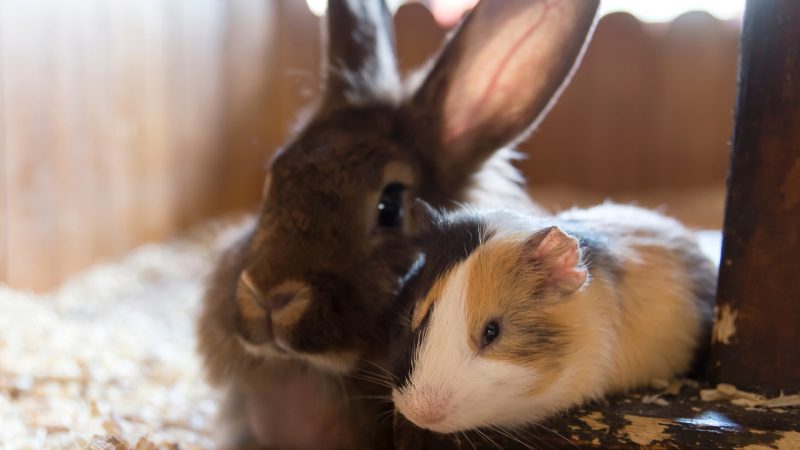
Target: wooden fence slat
{"points": [[249, 60], [696, 79], [29, 136], [118, 162], [75, 178], [199, 96], [296, 80], [100, 129], [650, 104], [156, 186], [3, 166], [606, 103], [418, 36], [758, 301]]}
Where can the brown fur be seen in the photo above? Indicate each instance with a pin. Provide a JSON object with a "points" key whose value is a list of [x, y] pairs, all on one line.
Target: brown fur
{"points": [[317, 222]]}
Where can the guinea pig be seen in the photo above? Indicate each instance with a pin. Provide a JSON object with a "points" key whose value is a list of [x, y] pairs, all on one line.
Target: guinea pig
{"points": [[513, 318]]}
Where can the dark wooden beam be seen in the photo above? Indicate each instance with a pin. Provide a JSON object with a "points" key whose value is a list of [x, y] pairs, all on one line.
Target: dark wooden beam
{"points": [[758, 303]]}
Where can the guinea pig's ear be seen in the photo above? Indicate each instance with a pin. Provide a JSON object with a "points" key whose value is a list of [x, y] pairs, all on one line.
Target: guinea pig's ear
{"points": [[560, 255], [424, 216], [497, 76], [361, 63]]}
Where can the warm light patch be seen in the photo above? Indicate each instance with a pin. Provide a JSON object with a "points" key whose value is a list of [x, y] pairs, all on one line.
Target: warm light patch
{"points": [[318, 7], [667, 11], [448, 12]]}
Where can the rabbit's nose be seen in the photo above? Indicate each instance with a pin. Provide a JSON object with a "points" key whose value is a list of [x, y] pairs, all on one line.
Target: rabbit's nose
{"points": [[278, 301], [287, 302]]}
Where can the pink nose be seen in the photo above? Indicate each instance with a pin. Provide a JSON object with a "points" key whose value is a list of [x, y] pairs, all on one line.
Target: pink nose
{"points": [[424, 407], [430, 417]]}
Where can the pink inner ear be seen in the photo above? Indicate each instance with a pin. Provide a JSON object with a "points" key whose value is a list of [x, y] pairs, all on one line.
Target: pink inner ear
{"points": [[565, 253], [552, 239], [486, 87], [567, 275]]}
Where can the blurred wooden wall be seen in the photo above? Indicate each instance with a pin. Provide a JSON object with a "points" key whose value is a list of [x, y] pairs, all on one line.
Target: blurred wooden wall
{"points": [[123, 122]]}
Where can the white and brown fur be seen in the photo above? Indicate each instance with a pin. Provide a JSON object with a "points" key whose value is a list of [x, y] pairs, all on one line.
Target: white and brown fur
{"points": [[302, 302], [588, 302]]}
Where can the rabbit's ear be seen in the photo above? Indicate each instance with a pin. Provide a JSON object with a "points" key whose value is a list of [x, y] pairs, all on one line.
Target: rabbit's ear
{"points": [[361, 64], [500, 72]]}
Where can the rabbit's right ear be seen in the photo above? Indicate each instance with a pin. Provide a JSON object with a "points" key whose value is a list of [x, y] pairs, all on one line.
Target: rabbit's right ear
{"points": [[361, 64], [498, 75]]}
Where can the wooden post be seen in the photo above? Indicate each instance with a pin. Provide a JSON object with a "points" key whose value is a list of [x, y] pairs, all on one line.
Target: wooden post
{"points": [[757, 330]]}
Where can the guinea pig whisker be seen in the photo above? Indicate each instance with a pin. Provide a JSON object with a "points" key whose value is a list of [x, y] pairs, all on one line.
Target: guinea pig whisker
{"points": [[372, 378], [556, 433], [382, 370], [385, 415], [488, 439], [380, 381], [343, 393], [382, 398], [524, 433], [512, 437], [527, 437], [381, 417], [466, 437], [404, 319]]}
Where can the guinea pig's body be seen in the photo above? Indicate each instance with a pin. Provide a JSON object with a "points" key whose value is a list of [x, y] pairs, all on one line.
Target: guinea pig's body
{"points": [[525, 317]]}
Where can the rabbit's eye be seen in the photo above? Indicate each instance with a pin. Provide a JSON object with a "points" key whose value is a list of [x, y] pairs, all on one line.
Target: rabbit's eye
{"points": [[390, 206]]}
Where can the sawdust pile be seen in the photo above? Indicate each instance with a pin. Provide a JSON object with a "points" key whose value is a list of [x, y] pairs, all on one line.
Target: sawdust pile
{"points": [[108, 360]]}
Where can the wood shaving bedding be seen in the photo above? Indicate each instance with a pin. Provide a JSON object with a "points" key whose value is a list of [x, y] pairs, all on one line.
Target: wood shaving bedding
{"points": [[108, 361], [736, 396]]}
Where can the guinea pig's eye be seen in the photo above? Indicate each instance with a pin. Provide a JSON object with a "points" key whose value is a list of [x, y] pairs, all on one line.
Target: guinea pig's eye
{"points": [[390, 206], [490, 333]]}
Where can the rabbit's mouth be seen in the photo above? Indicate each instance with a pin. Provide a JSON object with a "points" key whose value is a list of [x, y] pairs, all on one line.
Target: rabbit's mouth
{"points": [[264, 350], [339, 362]]}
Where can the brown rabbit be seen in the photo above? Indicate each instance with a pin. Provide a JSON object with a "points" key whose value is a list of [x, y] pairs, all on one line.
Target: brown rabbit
{"points": [[295, 315]]}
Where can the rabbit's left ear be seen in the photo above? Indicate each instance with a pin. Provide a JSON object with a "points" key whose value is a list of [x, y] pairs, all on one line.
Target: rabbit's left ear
{"points": [[499, 74], [361, 63]]}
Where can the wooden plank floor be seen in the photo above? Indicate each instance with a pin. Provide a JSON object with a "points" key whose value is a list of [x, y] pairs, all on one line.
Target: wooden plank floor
{"points": [[684, 421]]}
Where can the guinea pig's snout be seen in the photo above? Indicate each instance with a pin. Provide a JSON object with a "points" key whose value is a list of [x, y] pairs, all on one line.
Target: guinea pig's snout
{"points": [[427, 407]]}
